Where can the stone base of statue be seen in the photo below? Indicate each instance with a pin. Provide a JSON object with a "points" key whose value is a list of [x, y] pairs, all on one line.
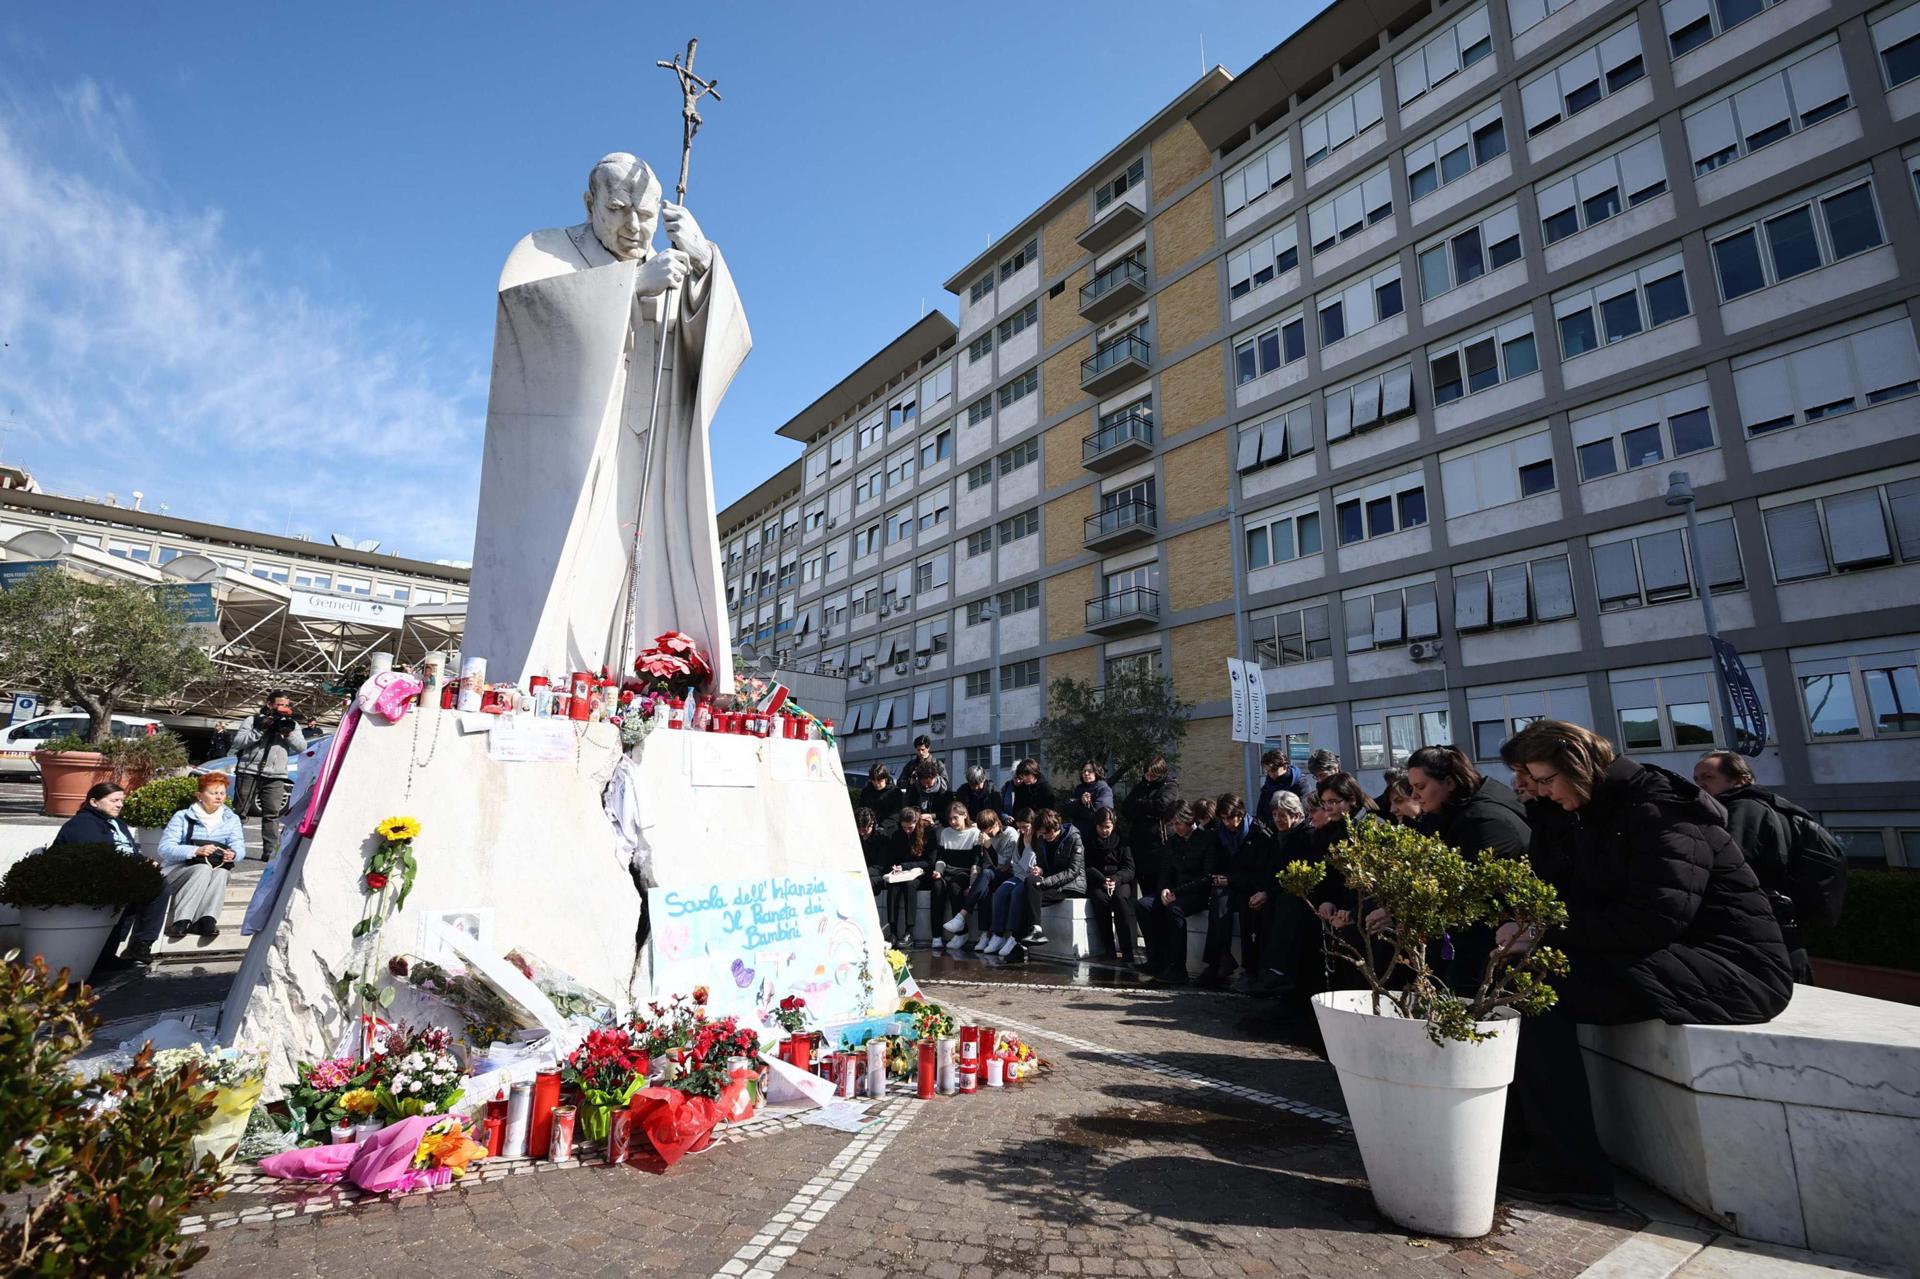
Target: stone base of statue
{"points": [[518, 853]]}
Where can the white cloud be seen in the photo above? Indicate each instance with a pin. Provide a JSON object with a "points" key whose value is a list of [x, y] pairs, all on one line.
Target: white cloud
{"points": [[145, 351]]}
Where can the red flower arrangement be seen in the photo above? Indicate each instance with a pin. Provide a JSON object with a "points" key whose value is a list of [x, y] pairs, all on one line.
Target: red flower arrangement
{"points": [[607, 1063], [791, 1014], [673, 663], [696, 1048]]}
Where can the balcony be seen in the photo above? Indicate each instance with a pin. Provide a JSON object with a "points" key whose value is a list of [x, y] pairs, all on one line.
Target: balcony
{"points": [[1119, 287], [1123, 610], [1122, 525], [1126, 438], [1115, 364], [1122, 217]]}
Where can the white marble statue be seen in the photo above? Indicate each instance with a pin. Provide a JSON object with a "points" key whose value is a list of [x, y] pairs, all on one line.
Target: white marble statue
{"points": [[576, 350]]}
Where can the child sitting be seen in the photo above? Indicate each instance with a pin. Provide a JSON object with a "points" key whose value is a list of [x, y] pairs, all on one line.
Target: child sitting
{"points": [[953, 867], [1010, 892], [997, 846]]}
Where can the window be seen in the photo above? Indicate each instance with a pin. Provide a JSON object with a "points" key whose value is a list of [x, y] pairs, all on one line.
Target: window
{"points": [[1619, 308], [1360, 305], [816, 467], [1596, 72], [1386, 618], [1388, 739], [937, 385], [1774, 105], [1654, 568], [1389, 506], [1027, 253], [872, 430], [835, 558], [1496, 473], [1025, 318], [979, 475], [933, 510], [1864, 528], [1139, 665], [981, 288], [1020, 388], [1885, 685], [1015, 527], [1276, 438], [1670, 712], [1112, 190], [270, 572], [1482, 361], [814, 518], [1439, 57], [980, 348], [1350, 211], [1325, 133], [871, 485], [1369, 401], [900, 525], [1263, 261], [866, 541], [1797, 240], [1287, 636], [1020, 674], [1255, 178], [903, 414], [980, 410], [1022, 454], [979, 684], [1644, 432], [1519, 594], [1691, 23], [1279, 344], [1897, 39], [931, 574], [344, 585], [1796, 384], [1017, 600], [900, 469], [979, 543], [1277, 539], [1632, 175], [1469, 253], [1456, 151], [1523, 14], [936, 448]]}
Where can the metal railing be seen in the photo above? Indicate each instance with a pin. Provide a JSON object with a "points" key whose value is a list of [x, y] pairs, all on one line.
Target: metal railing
{"points": [[1132, 425], [1125, 271], [1133, 602], [1131, 514], [1127, 347]]}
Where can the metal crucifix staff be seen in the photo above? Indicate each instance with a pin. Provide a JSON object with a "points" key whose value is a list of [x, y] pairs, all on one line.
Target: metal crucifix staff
{"points": [[692, 89]]}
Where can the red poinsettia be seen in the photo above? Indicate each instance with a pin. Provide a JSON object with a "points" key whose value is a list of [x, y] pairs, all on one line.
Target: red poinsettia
{"points": [[607, 1061]]}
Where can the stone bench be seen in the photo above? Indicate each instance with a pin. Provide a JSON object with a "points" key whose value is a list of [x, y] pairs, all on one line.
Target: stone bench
{"points": [[1068, 928], [1804, 1131]]}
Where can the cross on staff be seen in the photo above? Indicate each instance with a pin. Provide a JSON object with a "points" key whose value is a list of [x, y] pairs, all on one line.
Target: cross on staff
{"points": [[692, 89]]}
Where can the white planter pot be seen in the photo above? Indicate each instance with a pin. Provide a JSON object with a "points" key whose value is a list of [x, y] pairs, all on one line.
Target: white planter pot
{"points": [[67, 937], [1428, 1118], [11, 937]]}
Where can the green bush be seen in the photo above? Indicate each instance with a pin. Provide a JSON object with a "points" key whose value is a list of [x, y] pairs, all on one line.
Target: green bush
{"points": [[1879, 925], [81, 875], [150, 807], [71, 742], [148, 753]]}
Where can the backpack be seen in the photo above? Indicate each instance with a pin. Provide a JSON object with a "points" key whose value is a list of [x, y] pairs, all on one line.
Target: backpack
{"points": [[1816, 866]]}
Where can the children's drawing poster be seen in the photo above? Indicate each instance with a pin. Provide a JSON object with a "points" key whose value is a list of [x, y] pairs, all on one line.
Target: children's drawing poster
{"points": [[753, 942]]}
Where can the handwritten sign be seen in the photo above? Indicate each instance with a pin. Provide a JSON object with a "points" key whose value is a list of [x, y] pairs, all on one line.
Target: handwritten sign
{"points": [[753, 942], [522, 739]]}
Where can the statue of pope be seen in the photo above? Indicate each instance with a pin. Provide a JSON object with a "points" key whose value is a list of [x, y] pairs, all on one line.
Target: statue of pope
{"points": [[581, 332]]}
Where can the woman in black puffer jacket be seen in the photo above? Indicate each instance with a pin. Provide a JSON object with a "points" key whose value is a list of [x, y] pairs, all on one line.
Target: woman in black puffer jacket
{"points": [[1482, 818], [1664, 920]]}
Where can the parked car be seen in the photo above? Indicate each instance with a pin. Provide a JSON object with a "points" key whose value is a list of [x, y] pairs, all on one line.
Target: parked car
{"points": [[19, 741]]}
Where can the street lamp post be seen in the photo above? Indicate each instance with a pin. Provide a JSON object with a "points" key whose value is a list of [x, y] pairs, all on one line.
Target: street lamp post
{"points": [[990, 614], [1680, 494]]}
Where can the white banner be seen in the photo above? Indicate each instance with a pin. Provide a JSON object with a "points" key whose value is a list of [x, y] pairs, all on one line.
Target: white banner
{"points": [[1237, 682], [1256, 703], [346, 608]]}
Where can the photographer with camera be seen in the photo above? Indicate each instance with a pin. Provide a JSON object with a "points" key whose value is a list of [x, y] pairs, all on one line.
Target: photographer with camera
{"points": [[262, 746]]}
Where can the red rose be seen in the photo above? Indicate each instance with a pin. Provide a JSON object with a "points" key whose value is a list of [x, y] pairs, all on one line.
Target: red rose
{"points": [[376, 881], [700, 994]]}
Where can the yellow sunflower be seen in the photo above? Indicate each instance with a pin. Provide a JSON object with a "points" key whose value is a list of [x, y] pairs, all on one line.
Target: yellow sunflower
{"points": [[398, 828]]}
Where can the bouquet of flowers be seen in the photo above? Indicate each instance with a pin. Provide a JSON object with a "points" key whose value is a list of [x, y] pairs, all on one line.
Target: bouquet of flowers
{"points": [[703, 1071], [219, 1067], [446, 1148], [669, 1030], [1022, 1061], [417, 1073], [791, 1014], [233, 1077], [673, 664], [608, 1066], [929, 1020], [360, 1103], [314, 1098]]}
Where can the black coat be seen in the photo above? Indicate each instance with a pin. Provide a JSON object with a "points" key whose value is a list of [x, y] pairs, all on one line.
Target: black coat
{"points": [[1149, 807], [1063, 869], [1191, 862], [1762, 832], [91, 826], [933, 802], [1488, 819], [1109, 858], [979, 799], [1295, 779], [1036, 795], [885, 805], [1663, 911]]}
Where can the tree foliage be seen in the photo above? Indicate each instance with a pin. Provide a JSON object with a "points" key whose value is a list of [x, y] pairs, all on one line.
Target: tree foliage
{"points": [[1122, 724], [100, 645]]}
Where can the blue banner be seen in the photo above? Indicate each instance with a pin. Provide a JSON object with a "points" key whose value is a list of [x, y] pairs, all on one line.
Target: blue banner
{"points": [[193, 601], [1749, 727], [18, 571]]}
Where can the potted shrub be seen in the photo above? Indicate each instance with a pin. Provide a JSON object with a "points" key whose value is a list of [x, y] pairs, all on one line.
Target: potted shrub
{"points": [[69, 896], [69, 767], [1425, 1069], [136, 759], [152, 806]]}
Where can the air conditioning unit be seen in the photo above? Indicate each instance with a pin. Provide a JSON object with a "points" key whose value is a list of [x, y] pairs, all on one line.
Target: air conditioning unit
{"points": [[882, 737], [899, 668], [939, 725], [886, 610], [833, 523], [1425, 650], [866, 677], [920, 663]]}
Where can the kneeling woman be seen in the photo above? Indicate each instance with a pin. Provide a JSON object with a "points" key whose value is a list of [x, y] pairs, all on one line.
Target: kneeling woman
{"points": [[198, 849], [1664, 920]]}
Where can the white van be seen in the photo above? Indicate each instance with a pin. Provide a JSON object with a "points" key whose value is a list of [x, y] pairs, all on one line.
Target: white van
{"points": [[19, 741]]}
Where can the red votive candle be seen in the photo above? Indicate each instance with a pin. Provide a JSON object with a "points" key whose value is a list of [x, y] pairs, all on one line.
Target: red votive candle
{"points": [[546, 1095], [923, 1079]]}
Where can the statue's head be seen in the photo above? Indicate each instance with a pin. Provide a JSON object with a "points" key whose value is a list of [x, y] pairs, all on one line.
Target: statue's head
{"points": [[623, 203]]}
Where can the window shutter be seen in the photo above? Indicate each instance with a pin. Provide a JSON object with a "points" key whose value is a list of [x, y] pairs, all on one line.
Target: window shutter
{"points": [[1410, 76], [1720, 554], [1641, 166], [1615, 576], [1249, 455], [1711, 131], [1552, 589], [1510, 595], [1858, 529], [1423, 611], [1885, 356], [1795, 540], [1273, 439], [1903, 498], [1677, 15], [1818, 80], [1663, 562], [1359, 613], [1761, 106], [1389, 621], [1764, 390], [1470, 602], [1396, 399]]}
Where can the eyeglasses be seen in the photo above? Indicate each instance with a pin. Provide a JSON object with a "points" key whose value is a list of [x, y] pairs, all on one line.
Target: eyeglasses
{"points": [[1540, 781]]}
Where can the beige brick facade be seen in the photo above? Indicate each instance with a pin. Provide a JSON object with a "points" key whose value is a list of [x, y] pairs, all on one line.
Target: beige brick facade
{"points": [[1199, 568], [1060, 316], [1066, 600], [1191, 393], [1199, 660], [1060, 449], [1081, 664], [1058, 250], [1194, 478], [1183, 232], [1187, 310], [1210, 760], [1065, 526], [1060, 377], [1179, 156]]}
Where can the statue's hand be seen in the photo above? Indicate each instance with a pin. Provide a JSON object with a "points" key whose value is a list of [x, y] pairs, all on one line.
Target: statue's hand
{"points": [[660, 272], [684, 233]]}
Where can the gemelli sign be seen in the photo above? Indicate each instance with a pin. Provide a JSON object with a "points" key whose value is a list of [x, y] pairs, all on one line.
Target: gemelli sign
{"points": [[345, 608]]}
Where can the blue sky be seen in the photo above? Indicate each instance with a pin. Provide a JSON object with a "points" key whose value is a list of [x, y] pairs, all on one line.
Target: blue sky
{"points": [[247, 254]]}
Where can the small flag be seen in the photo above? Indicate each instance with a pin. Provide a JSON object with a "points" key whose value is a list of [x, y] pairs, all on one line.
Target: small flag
{"points": [[775, 697]]}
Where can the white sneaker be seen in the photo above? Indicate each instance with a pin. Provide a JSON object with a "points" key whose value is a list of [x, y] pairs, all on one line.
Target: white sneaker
{"points": [[988, 943], [958, 924], [1006, 947], [938, 944]]}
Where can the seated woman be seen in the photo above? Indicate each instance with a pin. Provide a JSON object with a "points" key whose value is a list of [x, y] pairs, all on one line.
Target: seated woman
{"points": [[909, 852], [998, 844], [977, 794], [1665, 920], [1186, 888], [98, 822], [1479, 816], [953, 866], [877, 850], [1010, 894], [1110, 891], [1090, 795], [882, 798], [198, 849], [1343, 805]]}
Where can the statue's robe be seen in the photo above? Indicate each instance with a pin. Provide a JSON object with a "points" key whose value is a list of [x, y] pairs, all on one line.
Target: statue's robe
{"points": [[574, 358]]}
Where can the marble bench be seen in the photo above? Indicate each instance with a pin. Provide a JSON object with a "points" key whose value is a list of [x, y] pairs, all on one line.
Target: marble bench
{"points": [[1804, 1131]]}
